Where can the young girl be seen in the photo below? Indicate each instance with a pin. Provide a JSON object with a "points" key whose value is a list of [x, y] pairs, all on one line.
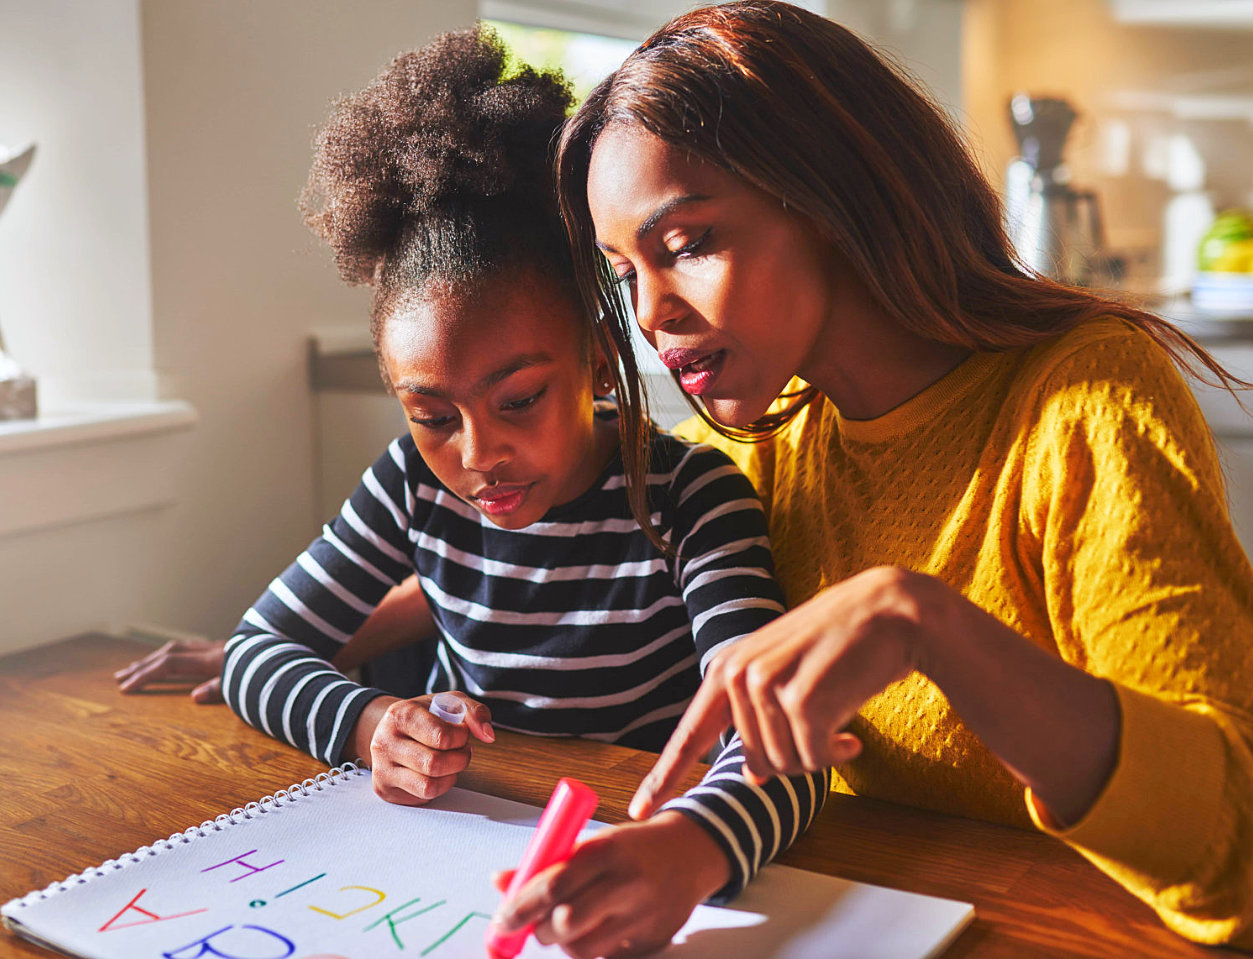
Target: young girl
{"points": [[997, 510], [555, 613]]}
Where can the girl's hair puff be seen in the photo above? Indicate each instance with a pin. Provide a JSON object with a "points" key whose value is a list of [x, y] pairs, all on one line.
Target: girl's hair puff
{"points": [[440, 169]]}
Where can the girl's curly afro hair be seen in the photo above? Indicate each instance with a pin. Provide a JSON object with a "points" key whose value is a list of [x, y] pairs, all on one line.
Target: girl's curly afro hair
{"points": [[441, 168]]}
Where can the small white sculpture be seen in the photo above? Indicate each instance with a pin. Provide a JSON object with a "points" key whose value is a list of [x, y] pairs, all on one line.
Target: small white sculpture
{"points": [[13, 166], [17, 389]]}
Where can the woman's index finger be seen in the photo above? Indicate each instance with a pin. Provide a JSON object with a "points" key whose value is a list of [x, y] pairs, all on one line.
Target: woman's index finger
{"points": [[703, 722]]}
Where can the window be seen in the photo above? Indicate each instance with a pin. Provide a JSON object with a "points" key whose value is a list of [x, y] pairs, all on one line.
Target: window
{"points": [[586, 58]]}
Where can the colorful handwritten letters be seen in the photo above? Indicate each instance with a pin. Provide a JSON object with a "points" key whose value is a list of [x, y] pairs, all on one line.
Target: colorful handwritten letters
{"points": [[325, 871], [442, 920]]}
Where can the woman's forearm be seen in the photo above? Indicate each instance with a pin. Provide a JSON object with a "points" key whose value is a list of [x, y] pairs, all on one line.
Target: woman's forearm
{"points": [[1055, 727]]}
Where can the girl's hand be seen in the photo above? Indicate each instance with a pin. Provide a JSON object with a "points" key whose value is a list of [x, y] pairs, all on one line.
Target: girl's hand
{"points": [[790, 687], [416, 756], [624, 892], [180, 661]]}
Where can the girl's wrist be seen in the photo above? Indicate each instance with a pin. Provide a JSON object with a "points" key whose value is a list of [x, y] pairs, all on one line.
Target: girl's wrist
{"points": [[703, 859], [363, 729]]}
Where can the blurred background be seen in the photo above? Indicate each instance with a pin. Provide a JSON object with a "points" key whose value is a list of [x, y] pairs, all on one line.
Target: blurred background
{"points": [[206, 395]]}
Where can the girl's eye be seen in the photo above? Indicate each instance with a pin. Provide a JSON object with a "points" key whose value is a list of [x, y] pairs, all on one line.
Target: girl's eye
{"points": [[431, 422], [525, 403], [690, 248]]}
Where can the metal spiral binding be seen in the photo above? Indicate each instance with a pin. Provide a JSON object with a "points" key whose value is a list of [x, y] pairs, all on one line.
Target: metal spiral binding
{"points": [[252, 810]]}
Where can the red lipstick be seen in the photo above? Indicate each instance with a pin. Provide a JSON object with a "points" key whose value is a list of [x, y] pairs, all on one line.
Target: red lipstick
{"points": [[677, 359], [697, 368]]}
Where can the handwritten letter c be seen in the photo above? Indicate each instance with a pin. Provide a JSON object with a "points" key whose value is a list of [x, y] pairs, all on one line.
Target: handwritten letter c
{"points": [[353, 912]]}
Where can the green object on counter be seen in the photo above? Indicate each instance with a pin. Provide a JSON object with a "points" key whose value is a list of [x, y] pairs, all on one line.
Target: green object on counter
{"points": [[1227, 246]]}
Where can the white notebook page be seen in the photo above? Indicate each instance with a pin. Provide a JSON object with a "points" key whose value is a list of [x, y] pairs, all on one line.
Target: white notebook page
{"points": [[339, 872]]}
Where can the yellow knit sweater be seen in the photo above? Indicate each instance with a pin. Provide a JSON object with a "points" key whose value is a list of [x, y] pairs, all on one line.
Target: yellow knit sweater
{"points": [[1072, 490]]}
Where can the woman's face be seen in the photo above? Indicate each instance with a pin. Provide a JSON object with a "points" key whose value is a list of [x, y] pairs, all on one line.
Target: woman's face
{"points": [[732, 290], [497, 386]]}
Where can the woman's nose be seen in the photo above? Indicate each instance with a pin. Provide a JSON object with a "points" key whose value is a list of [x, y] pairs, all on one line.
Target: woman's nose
{"points": [[656, 304]]}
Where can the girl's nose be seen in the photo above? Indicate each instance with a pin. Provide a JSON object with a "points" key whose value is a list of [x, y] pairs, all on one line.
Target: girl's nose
{"points": [[483, 448]]}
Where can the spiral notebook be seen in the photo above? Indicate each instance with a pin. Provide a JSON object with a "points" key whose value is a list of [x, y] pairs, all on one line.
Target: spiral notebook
{"points": [[325, 868]]}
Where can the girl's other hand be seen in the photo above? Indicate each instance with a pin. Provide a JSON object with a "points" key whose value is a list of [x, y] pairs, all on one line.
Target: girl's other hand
{"points": [[416, 756], [179, 661], [625, 892]]}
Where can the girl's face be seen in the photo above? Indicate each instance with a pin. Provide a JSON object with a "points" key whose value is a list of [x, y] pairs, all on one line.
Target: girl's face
{"points": [[497, 386], [732, 290]]}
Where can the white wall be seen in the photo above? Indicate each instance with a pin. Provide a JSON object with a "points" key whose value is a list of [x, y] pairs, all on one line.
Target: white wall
{"points": [[924, 36], [76, 310], [235, 90], [75, 304], [231, 93]]}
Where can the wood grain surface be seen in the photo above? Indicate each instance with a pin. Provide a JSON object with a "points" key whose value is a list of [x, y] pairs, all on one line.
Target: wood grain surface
{"points": [[89, 774]]}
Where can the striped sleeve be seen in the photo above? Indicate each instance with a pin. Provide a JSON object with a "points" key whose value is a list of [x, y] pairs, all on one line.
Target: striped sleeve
{"points": [[277, 676], [725, 571]]}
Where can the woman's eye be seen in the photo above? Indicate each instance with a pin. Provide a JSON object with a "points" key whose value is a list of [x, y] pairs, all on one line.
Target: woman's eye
{"points": [[690, 248], [525, 403], [431, 422], [626, 279]]}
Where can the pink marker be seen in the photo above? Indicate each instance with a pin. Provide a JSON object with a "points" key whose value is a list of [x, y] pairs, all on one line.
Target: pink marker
{"points": [[567, 812]]}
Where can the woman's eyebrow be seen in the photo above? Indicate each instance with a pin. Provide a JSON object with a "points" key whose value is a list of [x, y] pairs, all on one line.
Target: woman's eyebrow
{"points": [[659, 214]]}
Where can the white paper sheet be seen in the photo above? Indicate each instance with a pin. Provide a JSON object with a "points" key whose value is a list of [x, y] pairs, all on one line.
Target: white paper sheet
{"points": [[340, 873]]}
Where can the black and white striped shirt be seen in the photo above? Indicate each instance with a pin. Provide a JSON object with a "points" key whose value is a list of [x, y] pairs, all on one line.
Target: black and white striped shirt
{"points": [[573, 626]]}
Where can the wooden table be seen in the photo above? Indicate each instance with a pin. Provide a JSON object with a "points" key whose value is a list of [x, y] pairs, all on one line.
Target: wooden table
{"points": [[88, 774]]}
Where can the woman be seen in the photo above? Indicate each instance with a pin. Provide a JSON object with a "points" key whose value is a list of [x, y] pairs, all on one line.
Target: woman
{"points": [[998, 514]]}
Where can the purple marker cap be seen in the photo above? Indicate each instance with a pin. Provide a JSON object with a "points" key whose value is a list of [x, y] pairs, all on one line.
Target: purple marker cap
{"points": [[449, 708]]}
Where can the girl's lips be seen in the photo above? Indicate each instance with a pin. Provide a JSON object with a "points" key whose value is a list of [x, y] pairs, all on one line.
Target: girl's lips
{"points": [[502, 500], [698, 374]]}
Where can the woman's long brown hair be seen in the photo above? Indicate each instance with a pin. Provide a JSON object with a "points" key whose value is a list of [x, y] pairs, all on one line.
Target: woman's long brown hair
{"points": [[804, 110]]}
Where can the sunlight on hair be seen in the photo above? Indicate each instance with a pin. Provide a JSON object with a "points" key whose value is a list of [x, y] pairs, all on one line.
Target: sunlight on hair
{"points": [[585, 58]]}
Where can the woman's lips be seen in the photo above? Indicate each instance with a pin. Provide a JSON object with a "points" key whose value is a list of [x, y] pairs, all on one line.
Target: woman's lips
{"points": [[501, 500], [697, 369]]}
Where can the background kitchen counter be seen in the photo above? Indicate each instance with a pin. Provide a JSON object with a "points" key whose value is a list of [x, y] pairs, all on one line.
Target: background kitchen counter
{"points": [[1230, 340]]}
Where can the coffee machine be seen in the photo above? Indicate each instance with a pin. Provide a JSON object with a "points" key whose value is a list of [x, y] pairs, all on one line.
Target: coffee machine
{"points": [[1056, 230]]}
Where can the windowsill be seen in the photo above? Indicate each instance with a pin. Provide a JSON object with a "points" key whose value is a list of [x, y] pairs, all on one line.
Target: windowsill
{"points": [[74, 467], [100, 423], [342, 360]]}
